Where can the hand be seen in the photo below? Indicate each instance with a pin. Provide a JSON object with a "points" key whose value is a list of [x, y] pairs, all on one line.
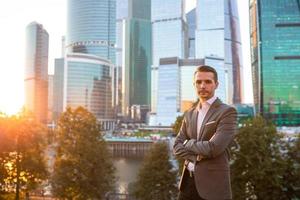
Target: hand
{"points": [[199, 157], [188, 143]]}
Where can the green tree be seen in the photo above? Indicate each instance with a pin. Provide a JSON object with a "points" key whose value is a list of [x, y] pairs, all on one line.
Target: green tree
{"points": [[5, 146], [83, 168], [291, 176], [176, 128], [258, 165], [177, 124], [156, 179], [23, 166]]}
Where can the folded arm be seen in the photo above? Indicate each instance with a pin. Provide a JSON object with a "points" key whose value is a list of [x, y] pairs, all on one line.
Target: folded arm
{"points": [[179, 147], [220, 140]]}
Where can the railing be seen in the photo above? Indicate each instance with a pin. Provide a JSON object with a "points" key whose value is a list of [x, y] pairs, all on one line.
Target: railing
{"points": [[129, 147], [118, 196]]}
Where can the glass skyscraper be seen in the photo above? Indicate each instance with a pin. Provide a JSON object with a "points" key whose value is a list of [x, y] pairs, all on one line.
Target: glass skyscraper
{"points": [[36, 71], [275, 56], [168, 94], [50, 97], [89, 84], [58, 87], [91, 28], [191, 21], [169, 37], [90, 57], [217, 35], [134, 52]]}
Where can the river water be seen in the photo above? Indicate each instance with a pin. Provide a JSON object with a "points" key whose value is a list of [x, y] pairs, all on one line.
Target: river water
{"points": [[126, 171], [127, 167]]}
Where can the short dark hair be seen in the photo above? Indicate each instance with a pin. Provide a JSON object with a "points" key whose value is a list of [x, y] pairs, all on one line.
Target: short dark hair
{"points": [[206, 68]]}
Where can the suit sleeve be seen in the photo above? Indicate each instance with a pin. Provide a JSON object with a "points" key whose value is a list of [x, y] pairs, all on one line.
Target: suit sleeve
{"points": [[220, 140], [179, 149]]}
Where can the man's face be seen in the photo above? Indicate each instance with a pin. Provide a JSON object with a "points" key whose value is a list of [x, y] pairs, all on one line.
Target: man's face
{"points": [[205, 85]]}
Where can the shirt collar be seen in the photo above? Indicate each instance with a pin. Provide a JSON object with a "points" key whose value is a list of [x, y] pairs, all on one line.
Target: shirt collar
{"points": [[209, 102]]}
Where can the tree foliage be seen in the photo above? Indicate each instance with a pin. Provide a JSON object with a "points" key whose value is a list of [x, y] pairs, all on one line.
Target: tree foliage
{"points": [[156, 178], [22, 159], [176, 128], [258, 165], [177, 124], [291, 176], [83, 168]]}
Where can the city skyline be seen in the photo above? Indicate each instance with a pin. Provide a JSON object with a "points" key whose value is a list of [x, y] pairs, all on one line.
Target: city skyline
{"points": [[52, 15]]}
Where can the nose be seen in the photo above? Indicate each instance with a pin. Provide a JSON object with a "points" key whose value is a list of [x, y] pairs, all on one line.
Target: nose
{"points": [[202, 85]]}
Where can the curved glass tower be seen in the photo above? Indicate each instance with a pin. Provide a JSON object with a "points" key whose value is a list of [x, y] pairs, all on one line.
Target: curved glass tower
{"points": [[89, 84], [91, 28], [90, 58]]}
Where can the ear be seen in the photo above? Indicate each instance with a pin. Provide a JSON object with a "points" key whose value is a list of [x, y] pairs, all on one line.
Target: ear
{"points": [[217, 84]]}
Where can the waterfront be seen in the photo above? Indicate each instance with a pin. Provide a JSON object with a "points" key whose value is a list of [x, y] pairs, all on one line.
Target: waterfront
{"points": [[126, 171]]}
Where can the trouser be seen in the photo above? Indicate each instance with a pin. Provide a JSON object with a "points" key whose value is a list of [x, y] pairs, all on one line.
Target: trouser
{"points": [[189, 191]]}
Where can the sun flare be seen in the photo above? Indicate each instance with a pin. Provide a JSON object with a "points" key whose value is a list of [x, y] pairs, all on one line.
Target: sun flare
{"points": [[12, 95]]}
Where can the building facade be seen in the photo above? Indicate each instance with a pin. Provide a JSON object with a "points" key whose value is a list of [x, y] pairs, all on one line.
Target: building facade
{"points": [[58, 87], [275, 59], [88, 83], [134, 52], [50, 97], [191, 21], [91, 28], [36, 71], [90, 58], [218, 35], [169, 37], [169, 93], [176, 92]]}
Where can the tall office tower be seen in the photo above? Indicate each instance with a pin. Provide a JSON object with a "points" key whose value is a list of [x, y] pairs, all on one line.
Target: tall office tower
{"points": [[275, 56], [50, 97], [90, 57], [169, 37], [176, 92], [191, 21], [168, 93], [218, 35], [58, 88], [134, 52], [36, 71], [58, 83], [117, 91], [63, 44]]}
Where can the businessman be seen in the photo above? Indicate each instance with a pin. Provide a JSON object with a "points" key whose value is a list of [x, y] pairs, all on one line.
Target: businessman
{"points": [[207, 131]]}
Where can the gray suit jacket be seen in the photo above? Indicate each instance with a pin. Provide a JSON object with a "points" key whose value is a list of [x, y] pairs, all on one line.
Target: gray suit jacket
{"points": [[212, 173]]}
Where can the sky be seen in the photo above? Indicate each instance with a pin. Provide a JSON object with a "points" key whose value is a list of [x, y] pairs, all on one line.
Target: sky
{"points": [[15, 15]]}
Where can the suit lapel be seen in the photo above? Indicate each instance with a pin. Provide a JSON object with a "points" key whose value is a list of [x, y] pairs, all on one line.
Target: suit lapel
{"points": [[209, 113]]}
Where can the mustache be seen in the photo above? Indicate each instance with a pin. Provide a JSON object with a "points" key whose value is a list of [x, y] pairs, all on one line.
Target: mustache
{"points": [[202, 91]]}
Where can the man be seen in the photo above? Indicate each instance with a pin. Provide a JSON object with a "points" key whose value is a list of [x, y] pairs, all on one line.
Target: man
{"points": [[206, 133]]}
